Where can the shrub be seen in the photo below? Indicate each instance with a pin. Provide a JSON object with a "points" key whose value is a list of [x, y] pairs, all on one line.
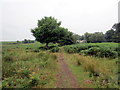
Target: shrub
{"points": [[84, 52], [77, 48], [71, 49], [107, 53], [117, 49], [42, 48], [93, 51], [55, 49], [100, 52]]}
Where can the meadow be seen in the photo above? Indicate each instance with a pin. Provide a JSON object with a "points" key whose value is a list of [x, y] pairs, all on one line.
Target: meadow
{"points": [[94, 65]]}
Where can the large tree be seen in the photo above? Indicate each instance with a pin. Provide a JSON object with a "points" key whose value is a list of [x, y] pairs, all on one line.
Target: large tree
{"points": [[109, 35], [113, 35], [116, 36], [48, 30]]}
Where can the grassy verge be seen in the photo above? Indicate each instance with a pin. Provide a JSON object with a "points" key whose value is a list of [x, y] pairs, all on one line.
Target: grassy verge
{"points": [[93, 72], [30, 66], [24, 68]]}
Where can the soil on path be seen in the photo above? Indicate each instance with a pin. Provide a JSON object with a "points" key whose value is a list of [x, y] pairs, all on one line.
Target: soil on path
{"points": [[65, 77]]}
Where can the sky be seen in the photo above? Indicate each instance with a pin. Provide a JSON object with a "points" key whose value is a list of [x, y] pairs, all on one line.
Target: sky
{"points": [[18, 17]]}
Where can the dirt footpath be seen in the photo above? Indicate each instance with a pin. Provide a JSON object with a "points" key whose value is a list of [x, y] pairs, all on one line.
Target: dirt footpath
{"points": [[65, 77]]}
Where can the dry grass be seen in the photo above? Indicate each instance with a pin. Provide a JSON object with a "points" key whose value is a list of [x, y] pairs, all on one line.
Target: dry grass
{"points": [[96, 66]]}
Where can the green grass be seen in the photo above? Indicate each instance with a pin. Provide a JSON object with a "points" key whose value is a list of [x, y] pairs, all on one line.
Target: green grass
{"points": [[30, 65], [100, 72], [7, 42], [24, 68]]}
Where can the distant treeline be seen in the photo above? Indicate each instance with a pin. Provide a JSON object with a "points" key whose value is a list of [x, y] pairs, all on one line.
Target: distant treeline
{"points": [[112, 35], [26, 41]]}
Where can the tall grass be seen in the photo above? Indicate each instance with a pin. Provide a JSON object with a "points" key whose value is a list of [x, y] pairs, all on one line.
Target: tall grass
{"points": [[28, 66], [29, 69], [100, 71]]}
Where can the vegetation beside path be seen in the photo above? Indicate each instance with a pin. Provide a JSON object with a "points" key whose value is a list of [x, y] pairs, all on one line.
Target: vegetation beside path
{"points": [[32, 66]]}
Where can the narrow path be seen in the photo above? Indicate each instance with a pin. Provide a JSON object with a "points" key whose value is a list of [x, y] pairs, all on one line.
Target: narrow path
{"points": [[65, 77]]}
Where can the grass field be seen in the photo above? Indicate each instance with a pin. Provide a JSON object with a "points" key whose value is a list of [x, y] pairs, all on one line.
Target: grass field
{"points": [[94, 65], [23, 66]]}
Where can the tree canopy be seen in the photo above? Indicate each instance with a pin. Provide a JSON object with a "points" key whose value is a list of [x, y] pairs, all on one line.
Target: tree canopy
{"points": [[94, 37], [113, 35], [49, 30]]}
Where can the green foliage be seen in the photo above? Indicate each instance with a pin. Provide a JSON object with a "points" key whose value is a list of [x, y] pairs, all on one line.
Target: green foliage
{"points": [[55, 49], [22, 73], [27, 41], [98, 50], [77, 37], [113, 35], [33, 82], [66, 38], [29, 69], [94, 37], [8, 58], [49, 30], [101, 72], [35, 50], [109, 35]]}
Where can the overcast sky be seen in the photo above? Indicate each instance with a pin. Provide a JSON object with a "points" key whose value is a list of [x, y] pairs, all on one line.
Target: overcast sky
{"points": [[18, 17]]}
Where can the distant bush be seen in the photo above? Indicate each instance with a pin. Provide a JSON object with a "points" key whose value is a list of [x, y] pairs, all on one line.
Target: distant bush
{"points": [[78, 47], [27, 41], [100, 52]]}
